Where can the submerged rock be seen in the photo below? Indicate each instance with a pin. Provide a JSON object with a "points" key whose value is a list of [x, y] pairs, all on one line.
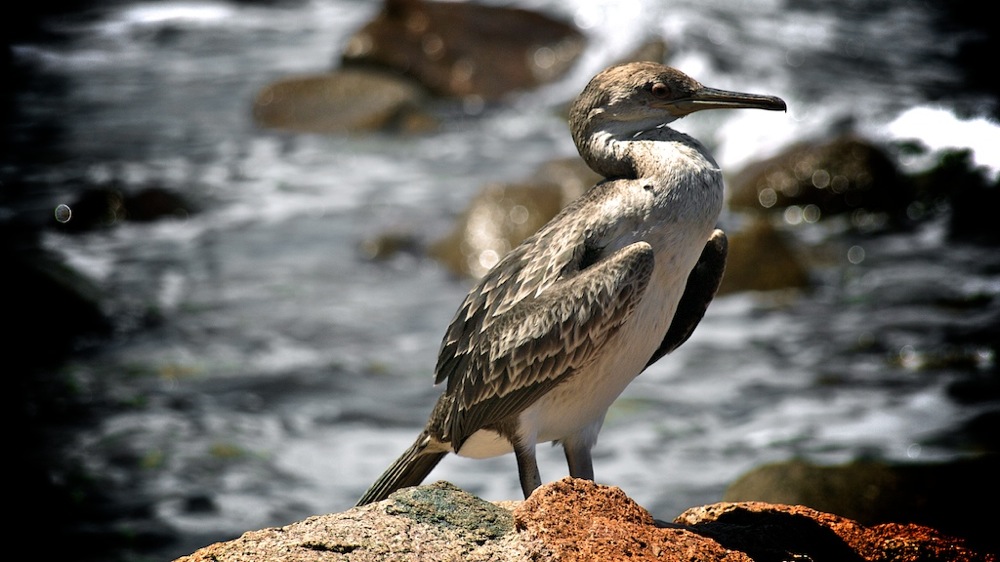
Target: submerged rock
{"points": [[343, 101], [110, 205], [760, 259], [844, 175], [966, 190], [503, 214], [462, 49]]}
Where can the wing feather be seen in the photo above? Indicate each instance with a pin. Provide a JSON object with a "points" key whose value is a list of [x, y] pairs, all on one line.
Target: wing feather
{"points": [[702, 285], [540, 341]]}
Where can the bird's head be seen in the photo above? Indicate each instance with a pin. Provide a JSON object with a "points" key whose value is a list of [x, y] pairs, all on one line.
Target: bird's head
{"points": [[635, 96]]}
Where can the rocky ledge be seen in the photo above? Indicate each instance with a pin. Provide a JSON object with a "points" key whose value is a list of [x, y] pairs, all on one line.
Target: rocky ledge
{"points": [[577, 520]]}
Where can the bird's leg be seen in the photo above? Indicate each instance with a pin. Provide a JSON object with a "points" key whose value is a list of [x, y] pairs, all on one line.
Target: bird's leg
{"points": [[581, 465], [527, 468]]}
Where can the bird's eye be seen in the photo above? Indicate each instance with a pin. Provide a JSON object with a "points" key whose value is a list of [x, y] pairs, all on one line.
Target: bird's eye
{"points": [[660, 90]]}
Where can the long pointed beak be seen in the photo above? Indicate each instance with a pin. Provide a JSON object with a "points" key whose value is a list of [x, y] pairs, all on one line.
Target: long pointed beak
{"points": [[711, 98]]}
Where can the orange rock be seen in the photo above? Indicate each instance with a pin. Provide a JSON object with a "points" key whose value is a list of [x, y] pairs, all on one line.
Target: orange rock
{"points": [[582, 521], [767, 531]]}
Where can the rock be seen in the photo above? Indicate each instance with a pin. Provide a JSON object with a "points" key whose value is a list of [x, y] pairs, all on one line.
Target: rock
{"points": [[848, 175], [760, 259], [104, 206], [497, 219], [581, 522], [970, 196], [462, 49], [435, 522], [504, 214], [825, 179], [945, 496], [343, 101], [774, 532], [577, 520], [154, 203]]}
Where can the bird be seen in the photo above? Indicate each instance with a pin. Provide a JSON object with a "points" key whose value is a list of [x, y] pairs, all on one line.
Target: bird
{"points": [[553, 333]]}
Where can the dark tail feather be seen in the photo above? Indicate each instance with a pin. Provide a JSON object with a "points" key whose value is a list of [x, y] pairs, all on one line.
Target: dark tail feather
{"points": [[410, 469]]}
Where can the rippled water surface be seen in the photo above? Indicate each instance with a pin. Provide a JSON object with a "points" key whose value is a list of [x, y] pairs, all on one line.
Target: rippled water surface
{"points": [[287, 371]]}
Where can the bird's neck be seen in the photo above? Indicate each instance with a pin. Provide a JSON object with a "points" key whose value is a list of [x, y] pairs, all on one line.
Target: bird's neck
{"points": [[646, 152]]}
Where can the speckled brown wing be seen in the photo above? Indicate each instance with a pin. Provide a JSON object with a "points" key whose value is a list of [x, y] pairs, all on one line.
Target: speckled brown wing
{"points": [[555, 316], [702, 285]]}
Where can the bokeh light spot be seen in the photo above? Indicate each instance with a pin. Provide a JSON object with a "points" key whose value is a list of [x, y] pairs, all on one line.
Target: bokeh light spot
{"points": [[63, 213]]}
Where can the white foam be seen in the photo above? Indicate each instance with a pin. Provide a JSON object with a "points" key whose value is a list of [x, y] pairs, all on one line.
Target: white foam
{"points": [[940, 129]]}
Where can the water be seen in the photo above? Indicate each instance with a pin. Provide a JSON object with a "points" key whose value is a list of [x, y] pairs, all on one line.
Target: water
{"points": [[285, 371]]}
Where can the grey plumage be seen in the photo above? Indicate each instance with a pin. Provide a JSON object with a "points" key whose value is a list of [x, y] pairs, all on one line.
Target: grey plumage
{"points": [[553, 333]]}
